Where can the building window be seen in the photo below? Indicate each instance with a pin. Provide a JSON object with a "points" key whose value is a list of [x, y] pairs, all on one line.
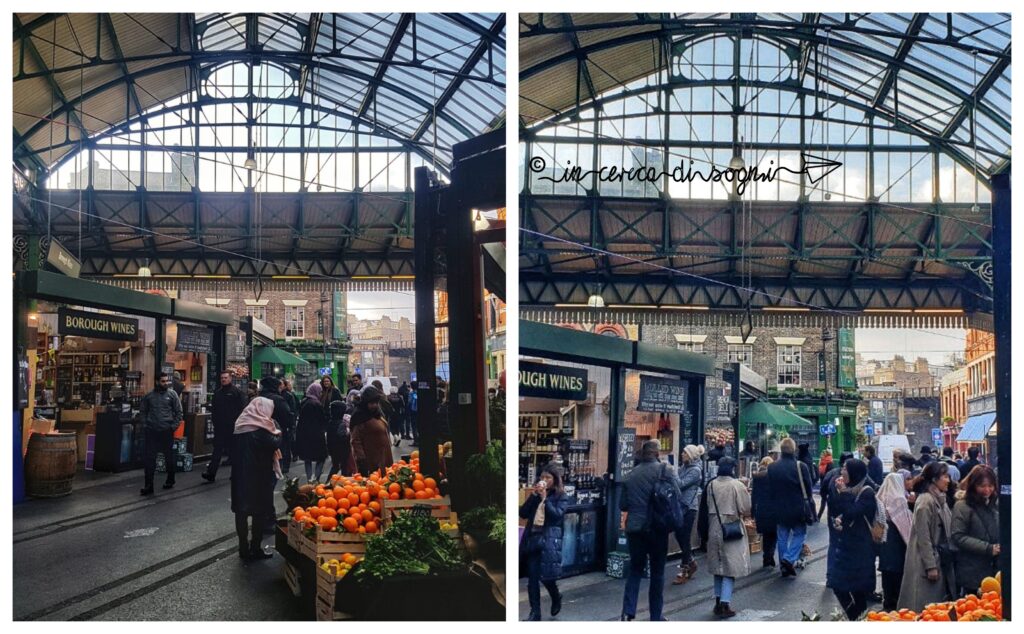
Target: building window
{"points": [[294, 322], [367, 356], [789, 362], [691, 346], [257, 312], [741, 353]]}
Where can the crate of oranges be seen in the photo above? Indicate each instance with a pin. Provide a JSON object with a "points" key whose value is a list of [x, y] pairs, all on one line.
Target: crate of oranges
{"points": [[344, 512]]}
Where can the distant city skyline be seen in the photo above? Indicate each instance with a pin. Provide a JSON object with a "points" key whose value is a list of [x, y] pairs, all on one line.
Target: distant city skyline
{"points": [[936, 345], [376, 304]]}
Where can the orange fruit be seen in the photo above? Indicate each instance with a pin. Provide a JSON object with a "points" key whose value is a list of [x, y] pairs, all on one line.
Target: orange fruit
{"points": [[297, 516], [364, 497], [319, 490], [362, 529], [314, 512], [344, 503], [338, 493], [418, 476], [328, 523], [321, 502], [350, 524], [355, 511], [430, 483], [990, 584], [328, 512], [371, 527], [367, 515], [421, 495], [375, 507], [331, 503], [394, 487], [353, 498], [430, 492], [394, 496], [418, 485], [410, 494]]}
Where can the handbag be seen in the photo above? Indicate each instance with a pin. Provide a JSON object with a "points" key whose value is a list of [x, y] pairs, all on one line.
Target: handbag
{"points": [[731, 531], [810, 513], [877, 527]]}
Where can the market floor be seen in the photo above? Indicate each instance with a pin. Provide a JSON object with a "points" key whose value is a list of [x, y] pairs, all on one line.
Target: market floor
{"points": [[761, 596], [105, 553]]}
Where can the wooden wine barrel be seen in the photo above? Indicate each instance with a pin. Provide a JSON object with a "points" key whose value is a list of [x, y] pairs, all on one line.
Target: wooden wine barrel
{"points": [[50, 464]]}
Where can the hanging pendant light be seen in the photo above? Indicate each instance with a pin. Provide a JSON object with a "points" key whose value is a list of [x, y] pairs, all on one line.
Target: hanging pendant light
{"points": [[736, 162], [250, 162], [595, 300], [144, 271]]}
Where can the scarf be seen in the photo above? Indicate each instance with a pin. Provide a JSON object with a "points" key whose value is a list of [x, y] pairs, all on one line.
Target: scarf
{"points": [[258, 414], [538, 516], [314, 391]]}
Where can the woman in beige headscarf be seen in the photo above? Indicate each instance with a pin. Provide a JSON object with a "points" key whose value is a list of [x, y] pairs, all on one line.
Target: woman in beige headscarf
{"points": [[892, 498], [254, 463]]}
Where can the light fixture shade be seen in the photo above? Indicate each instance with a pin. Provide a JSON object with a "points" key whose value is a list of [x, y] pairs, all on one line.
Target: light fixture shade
{"points": [[144, 272], [736, 162], [250, 163], [595, 301]]}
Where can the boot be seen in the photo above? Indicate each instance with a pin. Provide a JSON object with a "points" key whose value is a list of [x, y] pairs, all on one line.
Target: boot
{"points": [[534, 615], [209, 478], [256, 552], [626, 617], [768, 562], [718, 607], [147, 490], [726, 612], [556, 604]]}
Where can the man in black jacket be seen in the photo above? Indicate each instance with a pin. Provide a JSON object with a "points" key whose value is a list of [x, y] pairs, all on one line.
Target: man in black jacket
{"points": [[161, 414], [971, 462], [644, 542], [286, 444], [876, 470], [270, 387], [789, 485], [228, 403]]}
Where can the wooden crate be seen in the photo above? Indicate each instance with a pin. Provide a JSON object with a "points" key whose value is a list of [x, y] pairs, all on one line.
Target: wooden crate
{"points": [[325, 592], [440, 508], [291, 577], [325, 542]]}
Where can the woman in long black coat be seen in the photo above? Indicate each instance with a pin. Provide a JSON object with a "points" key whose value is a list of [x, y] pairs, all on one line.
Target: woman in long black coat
{"points": [[853, 511], [339, 438], [541, 547], [253, 463], [311, 432], [892, 555]]}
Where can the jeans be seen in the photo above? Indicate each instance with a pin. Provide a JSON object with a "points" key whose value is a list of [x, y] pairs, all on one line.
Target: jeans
{"points": [[644, 545], [533, 561], [310, 465], [683, 536], [854, 603], [723, 588], [158, 442], [791, 542], [414, 430]]}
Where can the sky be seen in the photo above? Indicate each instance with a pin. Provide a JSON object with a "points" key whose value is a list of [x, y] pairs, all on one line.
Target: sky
{"points": [[935, 344], [376, 304]]}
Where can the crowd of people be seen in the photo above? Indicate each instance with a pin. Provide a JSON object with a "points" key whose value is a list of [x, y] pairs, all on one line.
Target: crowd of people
{"points": [[929, 528], [262, 431]]}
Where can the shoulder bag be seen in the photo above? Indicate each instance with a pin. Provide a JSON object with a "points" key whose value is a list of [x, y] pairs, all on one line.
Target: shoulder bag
{"points": [[876, 527], [810, 513], [731, 531]]}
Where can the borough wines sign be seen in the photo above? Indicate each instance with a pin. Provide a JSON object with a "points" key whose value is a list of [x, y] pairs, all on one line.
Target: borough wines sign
{"points": [[552, 381]]}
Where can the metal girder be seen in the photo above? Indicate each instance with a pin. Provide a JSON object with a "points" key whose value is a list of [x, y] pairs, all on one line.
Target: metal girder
{"points": [[204, 263], [582, 72], [983, 87], [389, 53], [913, 30], [661, 290], [116, 45], [467, 67]]}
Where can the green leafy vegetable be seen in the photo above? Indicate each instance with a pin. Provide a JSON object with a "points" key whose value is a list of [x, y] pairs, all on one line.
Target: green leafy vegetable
{"points": [[412, 545]]}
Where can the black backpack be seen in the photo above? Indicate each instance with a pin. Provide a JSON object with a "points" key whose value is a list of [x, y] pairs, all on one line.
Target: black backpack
{"points": [[666, 508]]}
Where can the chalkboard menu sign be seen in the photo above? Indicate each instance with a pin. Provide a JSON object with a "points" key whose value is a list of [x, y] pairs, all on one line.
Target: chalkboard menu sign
{"points": [[625, 452], [194, 339], [663, 395]]}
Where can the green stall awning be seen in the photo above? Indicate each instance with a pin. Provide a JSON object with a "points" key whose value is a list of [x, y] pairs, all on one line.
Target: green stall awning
{"points": [[763, 412], [271, 354]]}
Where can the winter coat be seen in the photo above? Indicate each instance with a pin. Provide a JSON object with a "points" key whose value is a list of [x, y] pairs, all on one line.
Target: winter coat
{"points": [[292, 401], [397, 419], [637, 489], [804, 456], [283, 414], [931, 526], [228, 403], [893, 551], [969, 464], [334, 394], [690, 479], [975, 530], [785, 493], [546, 540], [161, 410], [252, 473], [311, 433], [827, 489], [371, 444], [876, 471], [728, 501], [854, 560], [760, 503]]}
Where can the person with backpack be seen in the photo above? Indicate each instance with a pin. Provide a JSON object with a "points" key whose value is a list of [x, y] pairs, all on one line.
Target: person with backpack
{"points": [[646, 531], [691, 479], [728, 550]]}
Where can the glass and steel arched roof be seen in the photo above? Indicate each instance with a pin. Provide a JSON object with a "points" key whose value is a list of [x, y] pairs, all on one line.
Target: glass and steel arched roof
{"points": [[933, 75], [426, 81]]}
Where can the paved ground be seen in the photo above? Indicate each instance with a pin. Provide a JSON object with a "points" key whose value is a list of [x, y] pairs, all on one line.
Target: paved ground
{"points": [[105, 553], [761, 596]]}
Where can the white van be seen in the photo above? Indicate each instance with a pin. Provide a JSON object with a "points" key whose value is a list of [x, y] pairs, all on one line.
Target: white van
{"points": [[888, 443]]}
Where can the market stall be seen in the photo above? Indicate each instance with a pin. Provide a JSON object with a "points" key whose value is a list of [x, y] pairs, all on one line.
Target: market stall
{"points": [[587, 402]]}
